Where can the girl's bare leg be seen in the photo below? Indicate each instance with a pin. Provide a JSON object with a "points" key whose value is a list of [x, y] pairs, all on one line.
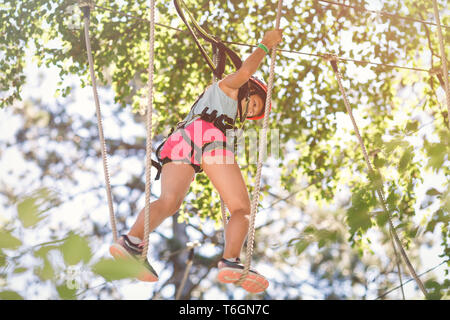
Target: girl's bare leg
{"points": [[175, 181], [227, 178]]}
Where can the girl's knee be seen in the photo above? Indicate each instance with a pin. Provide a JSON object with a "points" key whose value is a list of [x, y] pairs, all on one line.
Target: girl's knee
{"points": [[243, 211], [171, 203]]}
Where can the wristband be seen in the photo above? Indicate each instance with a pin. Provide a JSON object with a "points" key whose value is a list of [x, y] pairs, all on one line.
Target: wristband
{"points": [[261, 46]]}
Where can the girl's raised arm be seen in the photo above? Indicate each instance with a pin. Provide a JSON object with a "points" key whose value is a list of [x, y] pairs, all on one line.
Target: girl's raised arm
{"points": [[237, 79]]}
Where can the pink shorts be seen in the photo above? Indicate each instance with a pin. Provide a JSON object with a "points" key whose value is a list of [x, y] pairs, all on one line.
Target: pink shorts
{"points": [[190, 144]]}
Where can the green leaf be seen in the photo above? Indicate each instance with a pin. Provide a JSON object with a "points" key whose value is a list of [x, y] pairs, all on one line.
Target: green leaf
{"points": [[437, 153], [393, 144], [433, 192], [405, 159], [327, 235], [76, 249], [358, 214], [2, 259], [8, 241], [65, 293], [46, 272], [376, 180], [20, 270], [118, 269], [301, 246], [43, 251], [392, 200], [309, 230], [322, 243], [382, 218], [28, 212], [379, 162], [434, 290], [412, 126], [10, 295]]}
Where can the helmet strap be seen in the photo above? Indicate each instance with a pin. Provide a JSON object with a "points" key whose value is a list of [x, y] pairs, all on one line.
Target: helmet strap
{"points": [[247, 102], [243, 117]]}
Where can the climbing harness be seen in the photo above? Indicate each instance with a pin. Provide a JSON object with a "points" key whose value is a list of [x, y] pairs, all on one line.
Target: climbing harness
{"points": [[218, 70], [222, 122], [222, 53]]}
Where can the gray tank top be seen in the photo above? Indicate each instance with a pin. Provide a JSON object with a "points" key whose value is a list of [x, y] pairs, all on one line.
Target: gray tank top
{"points": [[213, 99]]}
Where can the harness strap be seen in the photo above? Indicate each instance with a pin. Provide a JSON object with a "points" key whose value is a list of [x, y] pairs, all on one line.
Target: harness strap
{"points": [[193, 146], [158, 167], [223, 50], [222, 122], [216, 145]]}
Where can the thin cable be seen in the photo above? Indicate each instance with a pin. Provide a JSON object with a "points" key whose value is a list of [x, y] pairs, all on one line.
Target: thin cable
{"points": [[85, 6], [409, 280], [148, 164], [261, 155], [384, 13], [443, 58], [379, 191], [135, 17], [324, 55], [319, 55], [397, 262]]}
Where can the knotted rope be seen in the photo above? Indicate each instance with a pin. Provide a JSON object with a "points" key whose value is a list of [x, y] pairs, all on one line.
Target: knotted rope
{"points": [[262, 153]]}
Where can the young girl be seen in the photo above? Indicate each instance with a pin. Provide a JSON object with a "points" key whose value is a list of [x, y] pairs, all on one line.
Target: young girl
{"points": [[199, 143]]}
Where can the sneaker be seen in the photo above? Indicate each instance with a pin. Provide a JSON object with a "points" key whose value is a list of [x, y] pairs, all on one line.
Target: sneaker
{"points": [[230, 272], [125, 249]]}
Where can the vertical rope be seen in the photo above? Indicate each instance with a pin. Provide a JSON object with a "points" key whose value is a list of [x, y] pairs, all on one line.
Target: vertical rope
{"points": [[186, 273], [262, 152], [86, 6], [333, 61], [191, 247], [148, 163], [443, 58]]}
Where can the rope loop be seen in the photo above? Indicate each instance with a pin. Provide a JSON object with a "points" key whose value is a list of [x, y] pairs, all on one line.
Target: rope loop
{"points": [[436, 71], [86, 3], [86, 6], [330, 57], [193, 244], [333, 60]]}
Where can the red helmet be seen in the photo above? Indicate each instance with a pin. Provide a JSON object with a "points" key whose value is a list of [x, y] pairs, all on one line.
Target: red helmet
{"points": [[260, 88]]}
